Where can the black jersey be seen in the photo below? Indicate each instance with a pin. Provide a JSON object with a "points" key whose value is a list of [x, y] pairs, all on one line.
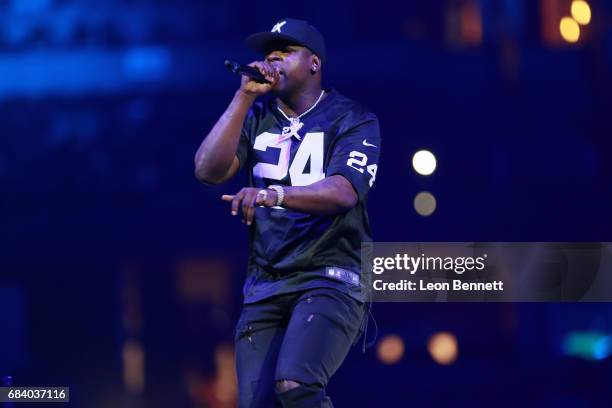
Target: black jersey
{"points": [[292, 250]]}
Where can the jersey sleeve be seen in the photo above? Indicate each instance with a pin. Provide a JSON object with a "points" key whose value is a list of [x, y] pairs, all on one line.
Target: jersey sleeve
{"points": [[355, 155], [242, 153], [244, 144]]}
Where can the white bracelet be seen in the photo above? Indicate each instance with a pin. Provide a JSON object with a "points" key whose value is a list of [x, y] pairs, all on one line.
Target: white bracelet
{"points": [[280, 193]]}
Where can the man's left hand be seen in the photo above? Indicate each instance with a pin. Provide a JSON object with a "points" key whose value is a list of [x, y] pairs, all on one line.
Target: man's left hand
{"points": [[247, 199]]}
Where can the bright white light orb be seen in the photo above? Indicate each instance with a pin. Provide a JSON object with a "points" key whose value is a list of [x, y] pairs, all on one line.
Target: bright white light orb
{"points": [[424, 162]]}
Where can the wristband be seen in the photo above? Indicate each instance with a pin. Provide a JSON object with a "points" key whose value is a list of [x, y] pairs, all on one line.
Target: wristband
{"points": [[280, 193]]}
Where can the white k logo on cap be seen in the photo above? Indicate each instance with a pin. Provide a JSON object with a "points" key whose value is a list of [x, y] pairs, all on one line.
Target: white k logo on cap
{"points": [[277, 27]]}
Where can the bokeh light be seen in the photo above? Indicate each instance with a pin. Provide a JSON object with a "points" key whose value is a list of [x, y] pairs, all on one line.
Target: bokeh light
{"points": [[425, 203], [443, 348], [133, 366], [424, 162], [581, 11], [589, 345], [390, 349], [570, 30]]}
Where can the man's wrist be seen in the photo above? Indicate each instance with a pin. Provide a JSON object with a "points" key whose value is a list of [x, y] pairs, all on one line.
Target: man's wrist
{"points": [[245, 96], [280, 194]]}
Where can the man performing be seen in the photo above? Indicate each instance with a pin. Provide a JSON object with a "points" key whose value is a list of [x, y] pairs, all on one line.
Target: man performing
{"points": [[312, 155]]}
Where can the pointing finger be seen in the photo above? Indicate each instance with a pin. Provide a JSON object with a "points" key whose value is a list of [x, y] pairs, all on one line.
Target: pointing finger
{"points": [[236, 202]]}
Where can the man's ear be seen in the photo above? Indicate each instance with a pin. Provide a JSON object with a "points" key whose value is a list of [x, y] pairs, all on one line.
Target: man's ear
{"points": [[315, 64]]}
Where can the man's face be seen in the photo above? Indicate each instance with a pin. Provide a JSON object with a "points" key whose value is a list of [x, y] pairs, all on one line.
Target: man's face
{"points": [[294, 63]]}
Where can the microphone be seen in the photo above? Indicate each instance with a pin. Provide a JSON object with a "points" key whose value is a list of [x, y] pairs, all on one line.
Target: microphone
{"points": [[245, 70]]}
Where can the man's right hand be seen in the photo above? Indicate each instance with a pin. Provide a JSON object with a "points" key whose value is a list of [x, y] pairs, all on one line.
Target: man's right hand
{"points": [[250, 87]]}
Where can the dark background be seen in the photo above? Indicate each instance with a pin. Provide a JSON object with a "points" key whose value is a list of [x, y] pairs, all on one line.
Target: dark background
{"points": [[120, 274]]}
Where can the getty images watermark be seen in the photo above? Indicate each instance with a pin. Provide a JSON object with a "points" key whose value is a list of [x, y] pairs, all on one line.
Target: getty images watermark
{"points": [[411, 265], [471, 271]]}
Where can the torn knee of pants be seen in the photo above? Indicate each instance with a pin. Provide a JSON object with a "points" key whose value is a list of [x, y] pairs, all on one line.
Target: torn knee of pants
{"points": [[304, 396], [286, 385]]}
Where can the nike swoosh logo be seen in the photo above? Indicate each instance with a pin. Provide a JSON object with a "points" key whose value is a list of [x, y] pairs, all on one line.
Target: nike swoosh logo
{"points": [[367, 144]]}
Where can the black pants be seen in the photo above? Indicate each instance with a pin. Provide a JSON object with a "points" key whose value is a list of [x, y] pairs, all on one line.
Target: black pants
{"points": [[303, 337]]}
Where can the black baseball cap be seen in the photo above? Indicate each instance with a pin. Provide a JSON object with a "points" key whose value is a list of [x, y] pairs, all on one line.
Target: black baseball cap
{"points": [[288, 29]]}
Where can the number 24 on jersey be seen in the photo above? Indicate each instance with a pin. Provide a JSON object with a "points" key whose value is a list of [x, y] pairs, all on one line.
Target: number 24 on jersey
{"points": [[311, 149]]}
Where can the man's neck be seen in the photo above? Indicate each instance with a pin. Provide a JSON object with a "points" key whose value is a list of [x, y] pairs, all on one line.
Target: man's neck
{"points": [[299, 102]]}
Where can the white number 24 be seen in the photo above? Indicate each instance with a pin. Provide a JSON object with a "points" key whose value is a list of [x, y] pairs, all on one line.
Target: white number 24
{"points": [[310, 148], [358, 161]]}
